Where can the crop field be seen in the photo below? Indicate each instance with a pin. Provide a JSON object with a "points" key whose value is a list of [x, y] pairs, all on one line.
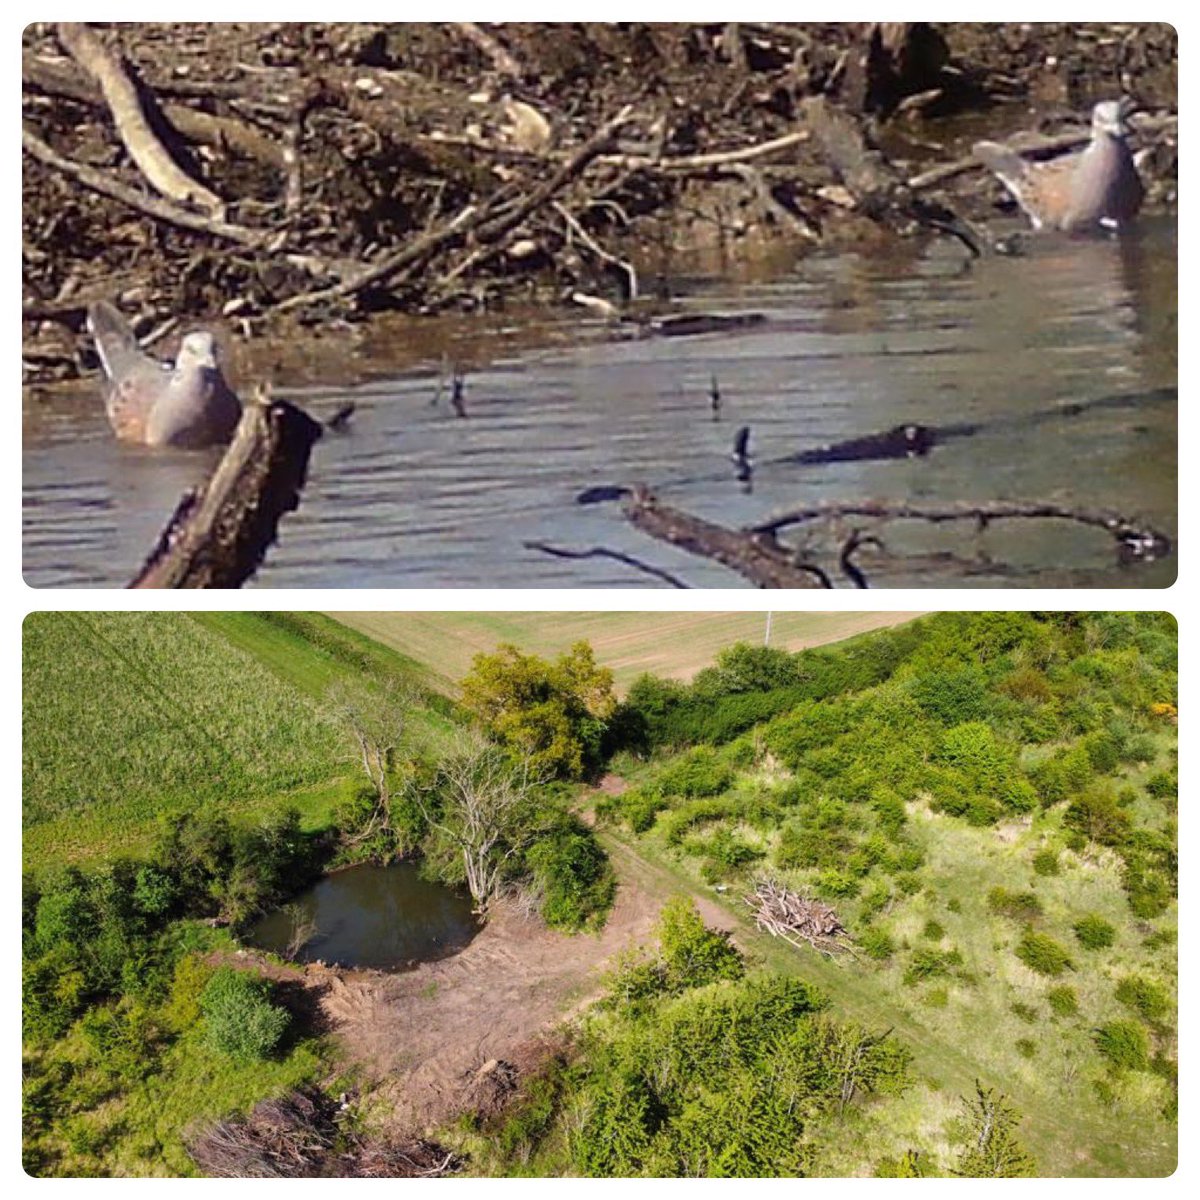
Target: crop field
{"points": [[131, 715], [671, 645]]}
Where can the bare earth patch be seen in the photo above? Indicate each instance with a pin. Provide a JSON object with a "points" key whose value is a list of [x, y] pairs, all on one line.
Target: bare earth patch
{"points": [[425, 1034]]}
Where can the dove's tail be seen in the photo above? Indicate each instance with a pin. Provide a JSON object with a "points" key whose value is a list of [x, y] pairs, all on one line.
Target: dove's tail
{"points": [[115, 341]]}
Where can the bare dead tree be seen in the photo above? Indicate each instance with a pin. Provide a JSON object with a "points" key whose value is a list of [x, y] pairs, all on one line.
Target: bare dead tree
{"points": [[481, 804], [302, 930]]}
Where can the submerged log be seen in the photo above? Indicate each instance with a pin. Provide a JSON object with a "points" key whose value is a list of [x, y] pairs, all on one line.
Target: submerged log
{"points": [[220, 533]]}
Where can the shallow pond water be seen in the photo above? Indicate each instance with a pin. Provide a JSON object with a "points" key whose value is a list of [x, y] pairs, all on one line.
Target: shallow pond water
{"points": [[387, 918], [1062, 359]]}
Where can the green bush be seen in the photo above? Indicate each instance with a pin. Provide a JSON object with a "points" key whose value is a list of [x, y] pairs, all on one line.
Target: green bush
{"points": [[1019, 906], [1150, 1001], [1043, 954], [1125, 1044], [1094, 932], [877, 943], [1163, 786], [1026, 1047], [1063, 1001], [933, 931], [927, 963], [1045, 862], [699, 772], [1025, 1012], [574, 876], [241, 1021], [693, 954]]}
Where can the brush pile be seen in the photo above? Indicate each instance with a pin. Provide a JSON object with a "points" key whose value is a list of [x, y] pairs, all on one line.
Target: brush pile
{"points": [[299, 1136], [796, 919]]}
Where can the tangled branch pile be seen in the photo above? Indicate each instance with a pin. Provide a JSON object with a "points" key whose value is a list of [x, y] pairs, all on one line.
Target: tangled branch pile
{"points": [[298, 1137], [786, 914]]}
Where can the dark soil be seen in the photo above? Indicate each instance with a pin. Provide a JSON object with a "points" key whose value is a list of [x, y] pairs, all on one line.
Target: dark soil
{"points": [[400, 131]]}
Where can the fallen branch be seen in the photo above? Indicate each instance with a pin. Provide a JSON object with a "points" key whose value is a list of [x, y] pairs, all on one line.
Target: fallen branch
{"points": [[161, 210], [1138, 539], [759, 558], [704, 162], [500, 57], [220, 533], [150, 156]]}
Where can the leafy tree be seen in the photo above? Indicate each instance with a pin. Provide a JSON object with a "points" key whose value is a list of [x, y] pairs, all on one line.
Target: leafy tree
{"points": [[376, 723], [240, 1019], [550, 715], [992, 1149]]}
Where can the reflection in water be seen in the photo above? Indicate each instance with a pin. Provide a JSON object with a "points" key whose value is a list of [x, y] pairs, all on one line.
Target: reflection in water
{"points": [[370, 916], [413, 497]]}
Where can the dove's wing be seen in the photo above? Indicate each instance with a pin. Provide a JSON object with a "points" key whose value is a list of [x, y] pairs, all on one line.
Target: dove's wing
{"points": [[134, 382]]}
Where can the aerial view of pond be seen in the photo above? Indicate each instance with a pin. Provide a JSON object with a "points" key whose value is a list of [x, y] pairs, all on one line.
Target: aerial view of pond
{"points": [[385, 918]]}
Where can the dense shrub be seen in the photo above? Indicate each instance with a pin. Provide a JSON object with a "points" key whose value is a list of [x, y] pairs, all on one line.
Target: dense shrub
{"points": [[1063, 1001], [1124, 1044], [239, 1017], [1019, 906], [877, 943], [573, 875], [1150, 1001], [699, 772], [1094, 932], [1043, 954], [693, 954], [1045, 862], [928, 963]]}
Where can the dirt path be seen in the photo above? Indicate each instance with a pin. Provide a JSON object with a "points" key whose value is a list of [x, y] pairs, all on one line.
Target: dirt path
{"points": [[422, 1035]]}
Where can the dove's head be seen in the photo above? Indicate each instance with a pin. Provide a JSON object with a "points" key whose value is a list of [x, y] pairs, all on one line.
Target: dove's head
{"points": [[1111, 117], [198, 349]]}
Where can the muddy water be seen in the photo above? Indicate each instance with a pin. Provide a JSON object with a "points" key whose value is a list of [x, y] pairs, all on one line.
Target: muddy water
{"points": [[387, 918], [412, 496]]}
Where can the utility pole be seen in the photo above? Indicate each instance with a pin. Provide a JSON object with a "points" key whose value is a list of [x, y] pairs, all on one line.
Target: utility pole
{"points": [[767, 635]]}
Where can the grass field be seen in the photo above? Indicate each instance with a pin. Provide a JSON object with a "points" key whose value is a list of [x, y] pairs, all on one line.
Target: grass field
{"points": [[671, 645], [131, 715]]}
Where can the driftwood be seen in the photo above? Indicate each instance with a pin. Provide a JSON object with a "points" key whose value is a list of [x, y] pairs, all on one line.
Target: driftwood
{"points": [[797, 919], [756, 553], [220, 533], [151, 156], [760, 559]]}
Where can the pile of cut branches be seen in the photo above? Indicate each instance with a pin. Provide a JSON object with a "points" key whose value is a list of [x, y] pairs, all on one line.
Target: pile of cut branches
{"points": [[298, 1136], [797, 919]]}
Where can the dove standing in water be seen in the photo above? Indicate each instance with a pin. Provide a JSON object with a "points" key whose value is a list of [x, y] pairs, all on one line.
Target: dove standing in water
{"points": [[1097, 186], [157, 403]]}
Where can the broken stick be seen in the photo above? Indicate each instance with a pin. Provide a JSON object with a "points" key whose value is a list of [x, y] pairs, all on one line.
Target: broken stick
{"points": [[219, 534]]}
